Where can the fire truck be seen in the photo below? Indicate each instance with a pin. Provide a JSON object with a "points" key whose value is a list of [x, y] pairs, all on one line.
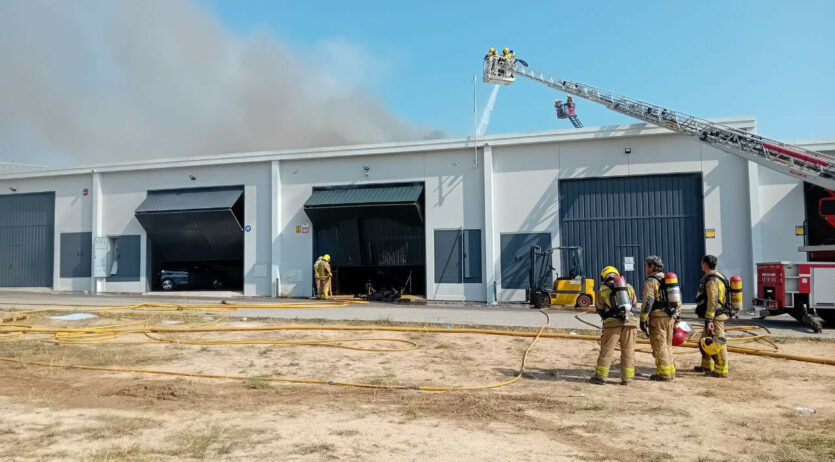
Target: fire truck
{"points": [[803, 290], [806, 291]]}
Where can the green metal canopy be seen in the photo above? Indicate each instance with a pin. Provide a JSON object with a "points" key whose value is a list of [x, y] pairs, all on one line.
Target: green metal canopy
{"points": [[197, 224], [405, 193]]}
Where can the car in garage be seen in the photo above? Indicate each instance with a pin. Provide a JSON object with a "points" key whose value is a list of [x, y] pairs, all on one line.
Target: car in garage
{"points": [[191, 276]]}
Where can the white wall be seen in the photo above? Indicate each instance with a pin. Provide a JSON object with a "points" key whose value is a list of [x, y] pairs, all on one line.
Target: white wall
{"points": [[123, 192], [525, 198], [781, 208], [73, 212]]}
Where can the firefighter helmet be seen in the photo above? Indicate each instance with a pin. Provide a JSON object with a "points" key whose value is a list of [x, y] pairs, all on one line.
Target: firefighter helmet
{"points": [[679, 336], [710, 345], [607, 271], [327, 257]]}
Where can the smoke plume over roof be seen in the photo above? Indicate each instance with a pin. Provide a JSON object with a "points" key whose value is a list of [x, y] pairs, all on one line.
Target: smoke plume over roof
{"points": [[100, 81]]}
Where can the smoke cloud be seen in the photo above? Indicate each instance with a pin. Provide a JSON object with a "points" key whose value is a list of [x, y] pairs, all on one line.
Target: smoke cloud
{"points": [[96, 81]]}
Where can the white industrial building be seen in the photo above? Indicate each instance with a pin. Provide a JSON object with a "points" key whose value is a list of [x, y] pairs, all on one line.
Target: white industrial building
{"points": [[618, 191]]}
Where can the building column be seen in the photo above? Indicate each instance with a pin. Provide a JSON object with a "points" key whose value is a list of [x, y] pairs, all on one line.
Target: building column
{"points": [[490, 251], [96, 284], [756, 227], [275, 228]]}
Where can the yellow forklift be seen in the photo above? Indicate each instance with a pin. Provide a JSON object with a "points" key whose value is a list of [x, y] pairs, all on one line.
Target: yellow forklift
{"points": [[571, 289]]}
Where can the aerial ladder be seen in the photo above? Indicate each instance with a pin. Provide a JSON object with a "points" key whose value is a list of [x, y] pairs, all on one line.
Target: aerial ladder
{"points": [[780, 295], [810, 166]]}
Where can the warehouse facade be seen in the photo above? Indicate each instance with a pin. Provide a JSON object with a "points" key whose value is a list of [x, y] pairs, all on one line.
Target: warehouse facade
{"points": [[449, 219]]}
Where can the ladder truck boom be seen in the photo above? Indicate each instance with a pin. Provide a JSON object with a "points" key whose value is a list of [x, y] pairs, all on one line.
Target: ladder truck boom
{"points": [[811, 166]]}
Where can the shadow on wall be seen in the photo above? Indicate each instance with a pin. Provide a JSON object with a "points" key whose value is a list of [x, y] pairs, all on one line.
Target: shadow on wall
{"points": [[447, 184], [545, 213]]}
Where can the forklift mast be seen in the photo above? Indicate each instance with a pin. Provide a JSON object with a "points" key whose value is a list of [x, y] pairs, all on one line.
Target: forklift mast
{"points": [[541, 265]]}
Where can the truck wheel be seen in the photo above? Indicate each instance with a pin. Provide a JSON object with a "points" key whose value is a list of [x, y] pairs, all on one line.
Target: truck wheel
{"points": [[541, 300], [583, 301], [167, 284]]}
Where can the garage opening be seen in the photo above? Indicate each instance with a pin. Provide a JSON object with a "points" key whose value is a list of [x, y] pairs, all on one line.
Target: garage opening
{"points": [[195, 238], [375, 235]]}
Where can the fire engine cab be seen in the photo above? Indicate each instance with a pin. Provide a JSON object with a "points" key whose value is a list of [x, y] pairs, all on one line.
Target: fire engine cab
{"points": [[803, 290]]}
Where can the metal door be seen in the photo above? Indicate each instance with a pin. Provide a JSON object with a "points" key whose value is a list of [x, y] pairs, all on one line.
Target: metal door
{"points": [[516, 257], [27, 239], [613, 218]]}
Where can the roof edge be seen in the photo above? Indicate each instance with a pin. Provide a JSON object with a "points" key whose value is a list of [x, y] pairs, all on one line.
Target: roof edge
{"points": [[511, 139]]}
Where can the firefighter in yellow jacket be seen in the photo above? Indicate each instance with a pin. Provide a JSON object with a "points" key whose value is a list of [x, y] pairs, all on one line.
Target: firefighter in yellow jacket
{"points": [[658, 319], [712, 305], [614, 303], [322, 273]]}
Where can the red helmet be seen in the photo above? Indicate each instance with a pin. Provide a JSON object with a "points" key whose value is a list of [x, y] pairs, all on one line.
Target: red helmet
{"points": [[679, 336]]}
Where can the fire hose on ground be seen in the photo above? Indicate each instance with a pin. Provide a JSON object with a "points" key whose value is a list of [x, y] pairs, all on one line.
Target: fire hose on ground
{"points": [[101, 334]]}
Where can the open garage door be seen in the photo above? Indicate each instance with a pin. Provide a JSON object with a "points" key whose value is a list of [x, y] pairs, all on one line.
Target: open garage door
{"points": [[196, 237], [27, 239], [374, 234]]}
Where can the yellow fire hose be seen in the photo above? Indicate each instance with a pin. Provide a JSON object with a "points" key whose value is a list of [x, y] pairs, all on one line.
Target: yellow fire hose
{"points": [[97, 334], [107, 332]]}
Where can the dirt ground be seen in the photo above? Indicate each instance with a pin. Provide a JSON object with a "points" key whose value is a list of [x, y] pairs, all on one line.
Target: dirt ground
{"points": [[553, 413]]}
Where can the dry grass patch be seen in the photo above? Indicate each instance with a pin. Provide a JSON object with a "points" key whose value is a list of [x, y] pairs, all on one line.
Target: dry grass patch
{"points": [[411, 411], [119, 454], [170, 390], [813, 446], [386, 378], [117, 427], [201, 442], [315, 448], [257, 382]]}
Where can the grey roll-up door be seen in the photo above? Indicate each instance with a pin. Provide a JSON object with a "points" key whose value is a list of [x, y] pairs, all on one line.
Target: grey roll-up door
{"points": [[516, 257], [76, 255], [633, 217], [458, 256], [197, 224], [27, 239], [126, 254]]}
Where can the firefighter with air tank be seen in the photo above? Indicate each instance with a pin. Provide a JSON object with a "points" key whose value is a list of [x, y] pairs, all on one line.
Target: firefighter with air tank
{"points": [[614, 303], [660, 310], [323, 274], [717, 301]]}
